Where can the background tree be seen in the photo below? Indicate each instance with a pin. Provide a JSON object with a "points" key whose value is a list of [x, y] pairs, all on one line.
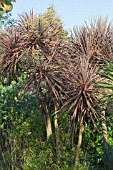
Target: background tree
{"points": [[6, 5]]}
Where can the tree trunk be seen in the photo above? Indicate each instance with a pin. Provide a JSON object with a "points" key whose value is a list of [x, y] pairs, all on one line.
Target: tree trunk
{"points": [[73, 128], [57, 135], [107, 160], [48, 123], [79, 143], [104, 130], [73, 133]]}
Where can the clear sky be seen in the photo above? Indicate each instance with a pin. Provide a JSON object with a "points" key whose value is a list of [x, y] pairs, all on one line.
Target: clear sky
{"points": [[72, 12]]}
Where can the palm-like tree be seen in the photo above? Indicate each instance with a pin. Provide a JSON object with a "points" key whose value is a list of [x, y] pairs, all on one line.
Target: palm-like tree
{"points": [[34, 47], [80, 88], [88, 47], [94, 41]]}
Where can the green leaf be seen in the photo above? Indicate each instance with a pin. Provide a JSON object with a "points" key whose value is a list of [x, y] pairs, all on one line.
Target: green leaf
{"points": [[108, 76], [104, 85]]}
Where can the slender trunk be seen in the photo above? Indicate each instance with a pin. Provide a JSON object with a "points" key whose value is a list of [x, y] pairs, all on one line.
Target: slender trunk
{"points": [[105, 142], [72, 133], [48, 124], [57, 135], [73, 128], [104, 130], [47, 121], [79, 143]]}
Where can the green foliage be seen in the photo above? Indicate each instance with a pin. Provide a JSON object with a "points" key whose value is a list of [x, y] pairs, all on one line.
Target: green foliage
{"points": [[107, 73], [108, 158], [6, 5], [50, 17], [15, 117], [26, 146]]}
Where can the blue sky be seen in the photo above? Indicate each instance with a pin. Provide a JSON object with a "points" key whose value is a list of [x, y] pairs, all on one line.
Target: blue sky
{"points": [[72, 12]]}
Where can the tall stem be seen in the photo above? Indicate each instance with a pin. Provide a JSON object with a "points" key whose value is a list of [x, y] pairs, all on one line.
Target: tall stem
{"points": [[104, 130], [79, 143], [57, 134], [105, 141], [48, 124]]}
